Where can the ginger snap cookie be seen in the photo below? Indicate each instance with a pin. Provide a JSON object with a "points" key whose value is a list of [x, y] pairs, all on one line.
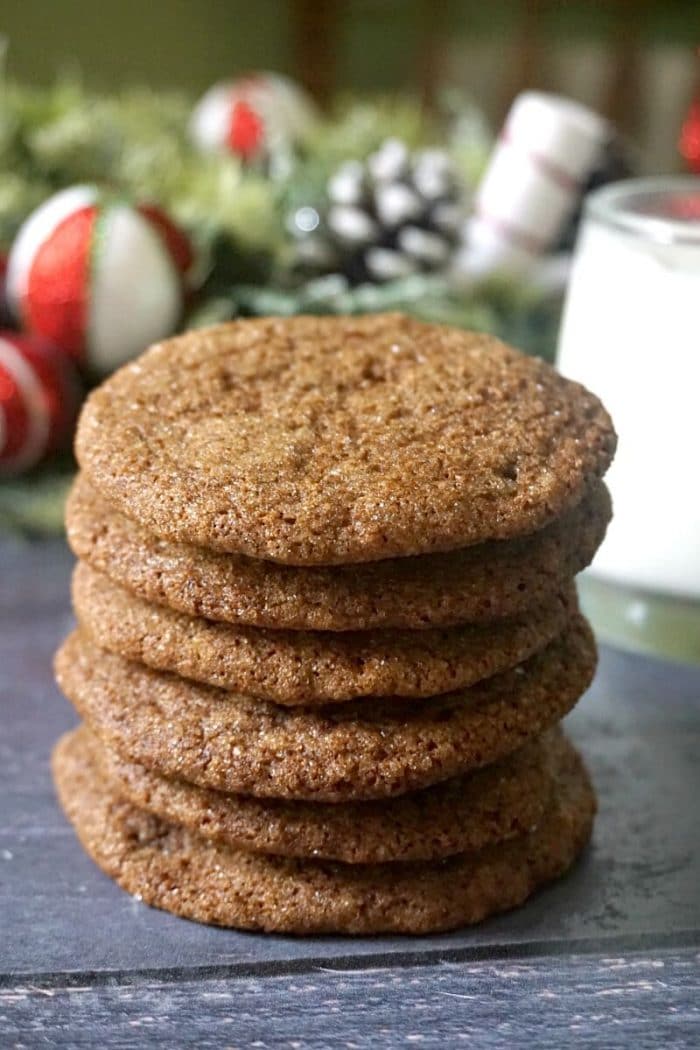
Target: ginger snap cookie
{"points": [[326, 440], [466, 813], [310, 667], [334, 753], [475, 584], [171, 868]]}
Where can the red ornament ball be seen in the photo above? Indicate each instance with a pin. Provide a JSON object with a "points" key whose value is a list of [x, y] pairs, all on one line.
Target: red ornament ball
{"points": [[689, 144], [39, 399], [252, 117], [100, 278]]}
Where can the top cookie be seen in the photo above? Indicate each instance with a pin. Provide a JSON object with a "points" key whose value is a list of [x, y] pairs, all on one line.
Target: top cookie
{"points": [[314, 441]]}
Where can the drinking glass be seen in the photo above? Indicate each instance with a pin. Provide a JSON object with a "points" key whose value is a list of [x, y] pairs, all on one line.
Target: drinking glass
{"points": [[631, 332]]}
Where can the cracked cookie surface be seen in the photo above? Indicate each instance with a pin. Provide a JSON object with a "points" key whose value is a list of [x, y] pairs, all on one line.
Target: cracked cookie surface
{"points": [[168, 867], [331, 440], [334, 753], [310, 667], [466, 813], [473, 585]]}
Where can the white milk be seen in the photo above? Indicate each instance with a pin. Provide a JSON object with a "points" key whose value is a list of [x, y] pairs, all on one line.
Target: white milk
{"points": [[631, 333]]}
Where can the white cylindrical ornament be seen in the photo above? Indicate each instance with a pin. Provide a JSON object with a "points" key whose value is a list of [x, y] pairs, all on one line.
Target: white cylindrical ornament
{"points": [[548, 148]]}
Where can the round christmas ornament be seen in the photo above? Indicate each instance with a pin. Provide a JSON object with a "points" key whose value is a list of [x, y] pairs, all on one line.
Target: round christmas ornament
{"points": [[396, 214], [98, 277], [252, 117], [689, 142], [39, 399]]}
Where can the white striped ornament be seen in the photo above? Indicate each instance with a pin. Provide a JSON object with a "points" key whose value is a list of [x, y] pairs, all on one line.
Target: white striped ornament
{"points": [[133, 293], [285, 111], [39, 397], [531, 186]]}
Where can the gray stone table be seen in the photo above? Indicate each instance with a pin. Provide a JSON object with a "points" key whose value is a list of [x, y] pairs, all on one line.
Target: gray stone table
{"points": [[608, 957]]}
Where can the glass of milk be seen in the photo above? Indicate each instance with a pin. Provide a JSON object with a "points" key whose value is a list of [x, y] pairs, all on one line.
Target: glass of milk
{"points": [[631, 332]]}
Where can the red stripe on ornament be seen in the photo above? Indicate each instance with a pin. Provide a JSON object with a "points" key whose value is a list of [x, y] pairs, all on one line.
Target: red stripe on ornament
{"points": [[246, 131], [175, 239], [60, 388], [15, 418], [26, 410], [55, 301], [547, 167], [689, 142]]}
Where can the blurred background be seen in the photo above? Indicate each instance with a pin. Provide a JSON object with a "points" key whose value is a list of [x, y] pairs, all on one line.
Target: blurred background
{"points": [[635, 61]]}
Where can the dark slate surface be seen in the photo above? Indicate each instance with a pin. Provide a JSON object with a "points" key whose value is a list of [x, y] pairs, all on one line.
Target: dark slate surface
{"points": [[643, 1000], [71, 940]]}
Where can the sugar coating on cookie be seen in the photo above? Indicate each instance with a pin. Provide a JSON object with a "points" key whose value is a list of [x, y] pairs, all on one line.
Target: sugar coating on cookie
{"points": [[169, 867], [473, 585], [314, 441], [334, 753], [310, 667], [465, 813]]}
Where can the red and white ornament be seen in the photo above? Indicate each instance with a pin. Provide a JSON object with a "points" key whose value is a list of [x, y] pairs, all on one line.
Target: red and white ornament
{"points": [[689, 142], [100, 278], [546, 152], [39, 399], [252, 116]]}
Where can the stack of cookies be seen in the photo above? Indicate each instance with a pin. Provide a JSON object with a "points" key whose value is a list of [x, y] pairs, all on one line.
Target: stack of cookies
{"points": [[328, 626]]}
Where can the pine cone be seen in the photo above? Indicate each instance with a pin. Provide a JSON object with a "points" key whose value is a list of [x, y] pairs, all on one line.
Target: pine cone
{"points": [[394, 215]]}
